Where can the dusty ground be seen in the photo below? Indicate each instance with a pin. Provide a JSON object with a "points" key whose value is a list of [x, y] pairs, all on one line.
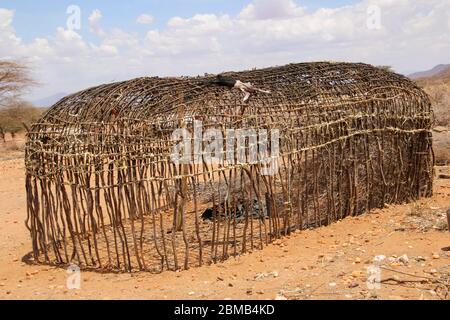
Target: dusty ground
{"points": [[327, 263]]}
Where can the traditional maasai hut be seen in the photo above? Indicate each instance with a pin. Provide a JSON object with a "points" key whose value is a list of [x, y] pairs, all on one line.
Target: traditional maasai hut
{"points": [[107, 188]]}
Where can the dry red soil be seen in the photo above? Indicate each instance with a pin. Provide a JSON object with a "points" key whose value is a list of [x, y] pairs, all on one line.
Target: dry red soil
{"points": [[326, 263]]}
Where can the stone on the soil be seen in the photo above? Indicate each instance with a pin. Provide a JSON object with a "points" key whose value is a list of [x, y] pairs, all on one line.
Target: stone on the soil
{"points": [[269, 275], [379, 258], [404, 259], [280, 297], [440, 129]]}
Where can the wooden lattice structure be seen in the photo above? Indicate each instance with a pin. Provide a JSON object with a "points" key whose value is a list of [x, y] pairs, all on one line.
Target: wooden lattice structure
{"points": [[104, 193]]}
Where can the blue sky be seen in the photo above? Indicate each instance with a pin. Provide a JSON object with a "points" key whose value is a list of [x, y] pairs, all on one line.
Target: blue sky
{"points": [[39, 18], [191, 37]]}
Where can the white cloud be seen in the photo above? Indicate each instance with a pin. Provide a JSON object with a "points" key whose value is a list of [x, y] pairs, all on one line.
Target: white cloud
{"points": [[145, 19], [269, 9], [6, 17], [105, 50], [414, 35], [94, 23]]}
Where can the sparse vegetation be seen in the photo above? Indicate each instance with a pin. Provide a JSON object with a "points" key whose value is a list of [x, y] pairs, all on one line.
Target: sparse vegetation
{"points": [[12, 146], [386, 68], [438, 88], [440, 96], [442, 155], [16, 116], [425, 217]]}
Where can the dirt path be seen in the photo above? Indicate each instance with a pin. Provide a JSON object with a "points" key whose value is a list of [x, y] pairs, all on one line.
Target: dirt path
{"points": [[327, 263]]}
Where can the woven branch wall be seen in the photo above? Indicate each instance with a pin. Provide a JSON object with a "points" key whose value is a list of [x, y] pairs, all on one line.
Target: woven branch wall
{"points": [[103, 192]]}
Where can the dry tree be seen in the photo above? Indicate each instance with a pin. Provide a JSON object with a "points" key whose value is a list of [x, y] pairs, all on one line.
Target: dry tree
{"points": [[14, 80]]}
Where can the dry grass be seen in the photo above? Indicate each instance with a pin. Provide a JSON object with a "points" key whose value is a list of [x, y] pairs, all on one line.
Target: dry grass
{"points": [[438, 88], [440, 96], [425, 217], [442, 155], [14, 146], [16, 116]]}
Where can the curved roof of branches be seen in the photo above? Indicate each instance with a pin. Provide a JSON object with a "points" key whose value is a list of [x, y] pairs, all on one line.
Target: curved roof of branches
{"points": [[156, 99]]}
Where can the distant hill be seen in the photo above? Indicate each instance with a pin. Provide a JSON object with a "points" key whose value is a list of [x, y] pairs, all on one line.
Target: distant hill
{"points": [[430, 73], [49, 101], [442, 77]]}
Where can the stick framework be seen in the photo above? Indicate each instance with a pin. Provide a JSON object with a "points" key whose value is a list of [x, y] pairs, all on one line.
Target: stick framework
{"points": [[104, 193]]}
